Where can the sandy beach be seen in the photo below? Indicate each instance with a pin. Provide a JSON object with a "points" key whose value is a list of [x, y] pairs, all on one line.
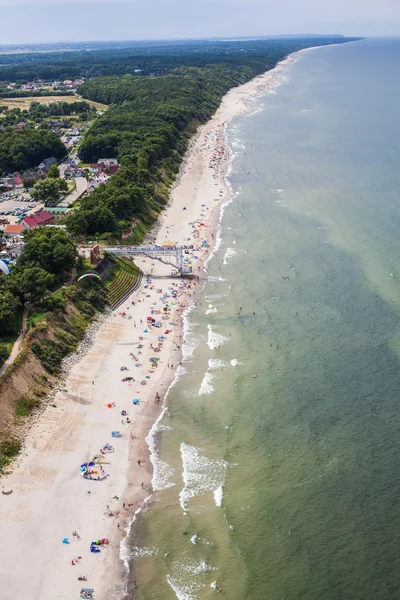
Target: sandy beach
{"points": [[51, 500]]}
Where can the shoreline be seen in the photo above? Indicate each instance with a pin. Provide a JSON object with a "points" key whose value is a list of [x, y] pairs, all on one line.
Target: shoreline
{"points": [[50, 499]]}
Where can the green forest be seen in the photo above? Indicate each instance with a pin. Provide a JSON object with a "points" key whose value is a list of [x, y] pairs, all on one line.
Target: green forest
{"points": [[20, 150], [145, 57], [38, 111]]}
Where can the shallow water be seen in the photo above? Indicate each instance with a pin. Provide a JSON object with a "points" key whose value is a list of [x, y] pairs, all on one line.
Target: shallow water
{"points": [[286, 485]]}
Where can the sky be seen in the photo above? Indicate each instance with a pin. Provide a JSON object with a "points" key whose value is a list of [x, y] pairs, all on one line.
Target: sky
{"points": [[27, 21]]}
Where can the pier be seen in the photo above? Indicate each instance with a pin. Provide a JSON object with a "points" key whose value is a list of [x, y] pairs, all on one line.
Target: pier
{"points": [[168, 255]]}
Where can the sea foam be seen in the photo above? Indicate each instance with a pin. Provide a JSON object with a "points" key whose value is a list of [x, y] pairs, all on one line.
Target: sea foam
{"points": [[228, 254], [162, 471], [215, 339], [235, 362], [211, 309], [218, 495], [201, 475], [206, 385], [215, 363], [187, 578]]}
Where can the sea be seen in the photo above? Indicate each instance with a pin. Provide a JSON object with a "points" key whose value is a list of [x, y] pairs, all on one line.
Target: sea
{"points": [[277, 456]]}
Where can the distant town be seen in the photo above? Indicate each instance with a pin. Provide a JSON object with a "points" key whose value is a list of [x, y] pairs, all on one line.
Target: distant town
{"points": [[41, 85]]}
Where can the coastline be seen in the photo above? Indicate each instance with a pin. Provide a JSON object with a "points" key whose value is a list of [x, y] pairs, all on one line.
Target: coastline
{"points": [[50, 499]]}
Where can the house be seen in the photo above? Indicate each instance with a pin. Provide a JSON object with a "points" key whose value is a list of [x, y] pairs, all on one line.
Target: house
{"points": [[43, 172], [21, 125], [92, 185], [108, 162], [31, 175], [47, 162], [111, 170], [13, 230], [57, 210], [73, 171], [7, 183], [108, 166], [19, 184], [40, 219]]}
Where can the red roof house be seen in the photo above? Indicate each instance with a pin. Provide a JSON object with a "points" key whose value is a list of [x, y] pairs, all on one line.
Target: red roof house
{"points": [[112, 169], [39, 220], [18, 182]]}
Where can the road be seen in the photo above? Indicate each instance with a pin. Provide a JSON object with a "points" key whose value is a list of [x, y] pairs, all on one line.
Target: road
{"points": [[81, 187]]}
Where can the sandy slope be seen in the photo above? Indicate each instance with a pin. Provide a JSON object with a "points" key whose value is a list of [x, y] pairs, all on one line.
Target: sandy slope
{"points": [[50, 498]]}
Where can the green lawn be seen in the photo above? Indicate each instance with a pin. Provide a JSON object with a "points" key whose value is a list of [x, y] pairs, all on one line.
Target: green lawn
{"points": [[71, 186]]}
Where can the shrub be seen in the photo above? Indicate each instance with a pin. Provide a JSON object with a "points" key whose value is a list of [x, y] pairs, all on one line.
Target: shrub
{"points": [[4, 354], [9, 448], [25, 405]]}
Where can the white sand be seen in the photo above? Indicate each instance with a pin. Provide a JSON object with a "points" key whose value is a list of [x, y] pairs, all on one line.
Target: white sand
{"points": [[50, 498]]}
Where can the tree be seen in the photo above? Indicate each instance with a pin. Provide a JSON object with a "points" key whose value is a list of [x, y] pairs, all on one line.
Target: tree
{"points": [[8, 308], [48, 190], [49, 248], [34, 284], [54, 172], [28, 182]]}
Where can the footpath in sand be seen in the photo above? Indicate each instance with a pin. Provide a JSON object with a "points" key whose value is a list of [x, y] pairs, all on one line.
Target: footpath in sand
{"points": [[51, 499]]}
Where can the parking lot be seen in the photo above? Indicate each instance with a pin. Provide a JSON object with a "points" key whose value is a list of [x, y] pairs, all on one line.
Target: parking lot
{"points": [[21, 205]]}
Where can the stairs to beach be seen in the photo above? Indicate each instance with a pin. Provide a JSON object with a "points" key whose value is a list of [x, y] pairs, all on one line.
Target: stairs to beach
{"points": [[124, 284]]}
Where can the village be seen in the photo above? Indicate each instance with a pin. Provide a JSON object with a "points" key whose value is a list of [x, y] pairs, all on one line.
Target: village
{"points": [[40, 85], [19, 212]]}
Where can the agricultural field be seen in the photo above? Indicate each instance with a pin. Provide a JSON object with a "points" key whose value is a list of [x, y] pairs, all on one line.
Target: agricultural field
{"points": [[24, 103]]}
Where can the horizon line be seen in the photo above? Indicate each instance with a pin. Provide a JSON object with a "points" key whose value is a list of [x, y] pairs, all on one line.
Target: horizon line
{"points": [[243, 38]]}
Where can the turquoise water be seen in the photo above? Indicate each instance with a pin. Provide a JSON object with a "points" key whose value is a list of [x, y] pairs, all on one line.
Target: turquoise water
{"points": [[286, 485]]}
